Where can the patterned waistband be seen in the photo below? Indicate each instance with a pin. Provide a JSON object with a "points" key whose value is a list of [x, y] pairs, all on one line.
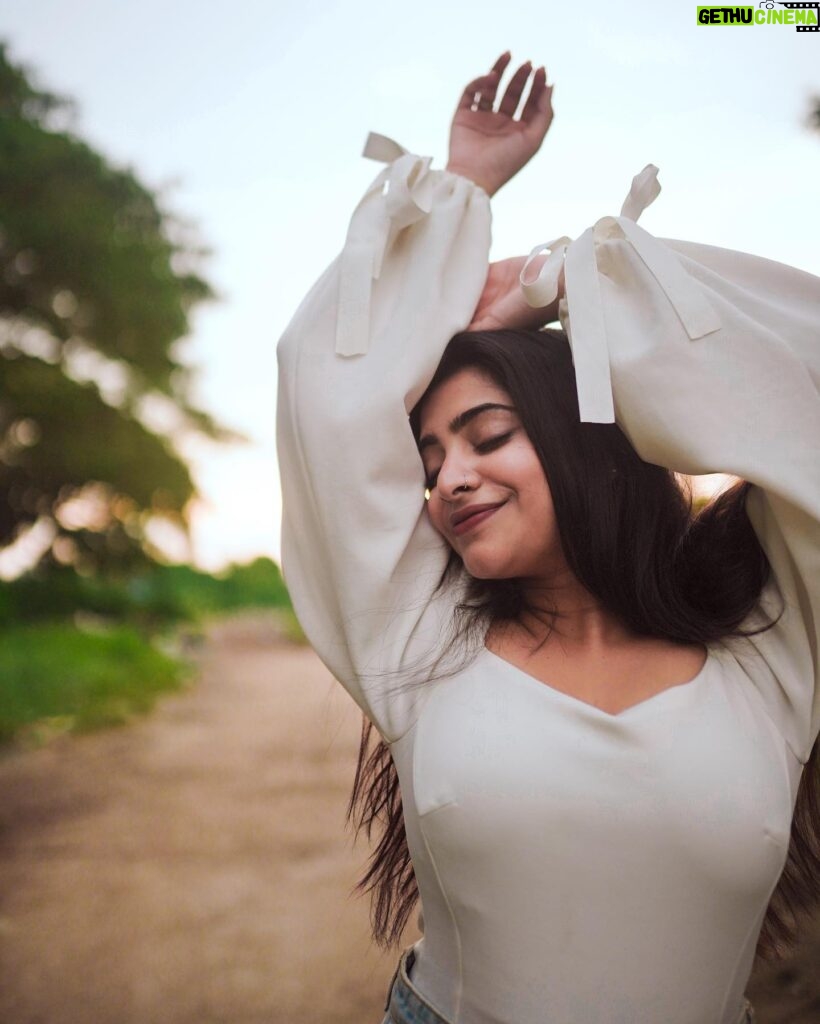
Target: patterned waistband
{"points": [[406, 1005]]}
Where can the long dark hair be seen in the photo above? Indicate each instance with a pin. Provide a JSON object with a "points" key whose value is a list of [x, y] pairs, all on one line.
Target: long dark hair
{"points": [[633, 537]]}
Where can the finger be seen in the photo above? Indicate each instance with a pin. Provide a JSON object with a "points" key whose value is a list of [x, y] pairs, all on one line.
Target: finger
{"points": [[537, 88], [486, 100], [539, 97], [481, 91], [545, 111], [537, 127], [512, 96], [502, 62], [483, 87]]}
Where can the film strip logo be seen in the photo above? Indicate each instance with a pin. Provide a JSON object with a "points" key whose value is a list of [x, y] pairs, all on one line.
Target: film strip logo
{"points": [[800, 7]]}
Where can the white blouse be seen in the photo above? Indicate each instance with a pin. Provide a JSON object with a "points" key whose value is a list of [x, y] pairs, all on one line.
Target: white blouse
{"points": [[573, 866]]}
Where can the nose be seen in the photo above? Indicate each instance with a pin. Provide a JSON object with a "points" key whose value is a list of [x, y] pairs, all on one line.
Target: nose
{"points": [[456, 476]]}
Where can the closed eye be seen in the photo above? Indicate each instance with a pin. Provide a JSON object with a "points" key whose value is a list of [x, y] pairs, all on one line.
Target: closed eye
{"points": [[490, 445]]}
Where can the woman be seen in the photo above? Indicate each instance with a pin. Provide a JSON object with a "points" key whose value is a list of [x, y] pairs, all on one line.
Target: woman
{"points": [[599, 708]]}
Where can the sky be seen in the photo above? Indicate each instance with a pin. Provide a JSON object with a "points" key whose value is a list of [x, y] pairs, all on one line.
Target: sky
{"points": [[250, 119]]}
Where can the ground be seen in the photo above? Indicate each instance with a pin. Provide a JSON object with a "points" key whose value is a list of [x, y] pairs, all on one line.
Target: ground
{"points": [[193, 867]]}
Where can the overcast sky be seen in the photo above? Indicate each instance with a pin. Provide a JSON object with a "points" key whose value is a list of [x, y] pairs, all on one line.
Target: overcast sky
{"points": [[252, 117]]}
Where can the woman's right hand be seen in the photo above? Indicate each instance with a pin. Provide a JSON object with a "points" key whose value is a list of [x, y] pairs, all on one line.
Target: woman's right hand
{"points": [[489, 146]]}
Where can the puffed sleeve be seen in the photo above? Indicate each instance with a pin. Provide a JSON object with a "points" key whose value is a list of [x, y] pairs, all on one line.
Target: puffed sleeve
{"points": [[359, 556], [709, 361]]}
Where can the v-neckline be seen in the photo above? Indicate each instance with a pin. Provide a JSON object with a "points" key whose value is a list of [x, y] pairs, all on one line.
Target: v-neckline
{"points": [[685, 689]]}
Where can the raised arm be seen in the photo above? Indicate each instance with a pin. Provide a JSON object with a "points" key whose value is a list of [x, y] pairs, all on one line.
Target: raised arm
{"points": [[741, 399], [709, 361], [487, 144], [359, 555]]}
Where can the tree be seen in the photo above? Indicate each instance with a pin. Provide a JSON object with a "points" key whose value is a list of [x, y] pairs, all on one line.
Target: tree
{"points": [[97, 283]]}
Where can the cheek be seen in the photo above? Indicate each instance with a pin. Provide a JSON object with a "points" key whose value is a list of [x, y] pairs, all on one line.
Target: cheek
{"points": [[521, 470], [435, 513]]}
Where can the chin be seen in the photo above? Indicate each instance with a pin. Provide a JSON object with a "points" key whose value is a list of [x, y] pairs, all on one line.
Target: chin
{"points": [[487, 569]]}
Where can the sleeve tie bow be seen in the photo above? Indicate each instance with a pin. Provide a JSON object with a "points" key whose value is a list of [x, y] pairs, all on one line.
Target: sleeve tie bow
{"points": [[400, 195], [582, 310]]}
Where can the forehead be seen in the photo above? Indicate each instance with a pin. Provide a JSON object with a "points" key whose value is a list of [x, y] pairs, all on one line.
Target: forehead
{"points": [[465, 389]]}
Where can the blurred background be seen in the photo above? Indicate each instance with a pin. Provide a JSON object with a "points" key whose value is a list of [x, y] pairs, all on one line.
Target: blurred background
{"points": [[173, 178]]}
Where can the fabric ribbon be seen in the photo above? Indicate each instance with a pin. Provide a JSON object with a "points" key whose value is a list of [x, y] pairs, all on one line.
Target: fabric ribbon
{"points": [[399, 196], [585, 320]]}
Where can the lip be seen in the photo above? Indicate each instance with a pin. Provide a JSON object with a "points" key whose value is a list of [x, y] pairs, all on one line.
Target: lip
{"points": [[473, 516]]}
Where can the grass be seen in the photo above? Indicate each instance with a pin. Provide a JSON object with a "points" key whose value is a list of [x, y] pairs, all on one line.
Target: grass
{"points": [[56, 677], [75, 653], [291, 627]]}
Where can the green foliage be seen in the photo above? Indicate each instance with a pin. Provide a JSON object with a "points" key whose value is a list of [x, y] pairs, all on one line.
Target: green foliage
{"points": [[73, 223], [292, 628], [19, 98], [192, 594], [42, 466], [91, 269], [151, 598], [56, 676], [59, 677], [97, 284], [258, 583]]}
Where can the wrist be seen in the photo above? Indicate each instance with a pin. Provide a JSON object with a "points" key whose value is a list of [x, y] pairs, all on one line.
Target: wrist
{"points": [[476, 179]]}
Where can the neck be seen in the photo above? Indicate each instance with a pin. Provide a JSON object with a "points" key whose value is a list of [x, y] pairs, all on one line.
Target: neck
{"points": [[580, 621]]}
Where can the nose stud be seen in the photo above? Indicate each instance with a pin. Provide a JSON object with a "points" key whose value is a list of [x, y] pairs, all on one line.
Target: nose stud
{"points": [[465, 486]]}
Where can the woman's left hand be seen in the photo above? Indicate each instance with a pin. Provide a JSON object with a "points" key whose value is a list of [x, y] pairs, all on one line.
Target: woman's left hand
{"points": [[502, 302], [489, 146]]}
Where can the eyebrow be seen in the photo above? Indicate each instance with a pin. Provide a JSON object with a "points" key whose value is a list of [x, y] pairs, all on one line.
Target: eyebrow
{"points": [[461, 421]]}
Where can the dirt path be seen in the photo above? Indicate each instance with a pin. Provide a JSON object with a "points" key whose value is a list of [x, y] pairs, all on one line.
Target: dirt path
{"points": [[193, 868]]}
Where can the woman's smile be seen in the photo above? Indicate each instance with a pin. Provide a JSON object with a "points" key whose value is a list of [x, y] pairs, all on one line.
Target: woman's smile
{"points": [[468, 520]]}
